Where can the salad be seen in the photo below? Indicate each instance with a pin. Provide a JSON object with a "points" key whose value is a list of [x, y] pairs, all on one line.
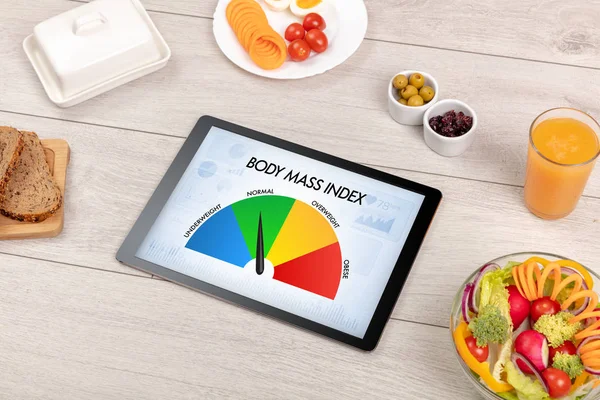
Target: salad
{"points": [[531, 330]]}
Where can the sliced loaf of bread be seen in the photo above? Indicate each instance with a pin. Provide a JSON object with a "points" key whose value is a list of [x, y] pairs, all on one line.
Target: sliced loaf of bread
{"points": [[32, 194], [11, 146]]}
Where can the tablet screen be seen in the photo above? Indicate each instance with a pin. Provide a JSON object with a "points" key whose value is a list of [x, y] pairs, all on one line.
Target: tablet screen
{"points": [[283, 229]]}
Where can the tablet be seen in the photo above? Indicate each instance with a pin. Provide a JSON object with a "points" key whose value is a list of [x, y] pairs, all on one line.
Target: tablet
{"points": [[285, 230]]}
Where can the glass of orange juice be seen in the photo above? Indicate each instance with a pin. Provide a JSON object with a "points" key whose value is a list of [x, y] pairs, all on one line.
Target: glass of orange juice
{"points": [[563, 148]]}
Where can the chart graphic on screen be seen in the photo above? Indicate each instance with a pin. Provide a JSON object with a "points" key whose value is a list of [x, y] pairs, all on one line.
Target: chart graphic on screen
{"points": [[276, 237]]}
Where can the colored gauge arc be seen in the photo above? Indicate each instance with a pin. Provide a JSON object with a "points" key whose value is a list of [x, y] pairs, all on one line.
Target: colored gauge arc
{"points": [[296, 239]]}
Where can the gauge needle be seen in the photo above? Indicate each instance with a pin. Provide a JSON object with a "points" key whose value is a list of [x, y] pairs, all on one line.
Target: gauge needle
{"points": [[260, 248]]}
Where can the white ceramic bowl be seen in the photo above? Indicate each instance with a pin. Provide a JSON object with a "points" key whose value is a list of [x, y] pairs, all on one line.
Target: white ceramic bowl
{"points": [[447, 146], [406, 115]]}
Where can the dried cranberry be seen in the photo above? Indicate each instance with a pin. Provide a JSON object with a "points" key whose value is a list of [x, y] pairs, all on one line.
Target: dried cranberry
{"points": [[451, 124]]}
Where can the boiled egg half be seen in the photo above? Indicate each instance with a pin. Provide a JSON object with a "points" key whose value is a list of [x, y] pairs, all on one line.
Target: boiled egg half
{"points": [[301, 8], [278, 5]]}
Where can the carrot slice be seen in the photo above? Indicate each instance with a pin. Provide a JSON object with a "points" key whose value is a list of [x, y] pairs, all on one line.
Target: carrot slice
{"points": [[237, 5], [571, 278], [234, 6]]}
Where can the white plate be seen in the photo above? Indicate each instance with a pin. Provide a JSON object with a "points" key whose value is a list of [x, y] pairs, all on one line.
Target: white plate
{"points": [[346, 28]]}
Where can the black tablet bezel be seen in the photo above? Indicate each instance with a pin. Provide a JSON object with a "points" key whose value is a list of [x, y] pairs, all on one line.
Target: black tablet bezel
{"points": [[432, 199]]}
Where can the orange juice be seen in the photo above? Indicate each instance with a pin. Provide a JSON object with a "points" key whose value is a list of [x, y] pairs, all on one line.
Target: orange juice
{"points": [[563, 147]]}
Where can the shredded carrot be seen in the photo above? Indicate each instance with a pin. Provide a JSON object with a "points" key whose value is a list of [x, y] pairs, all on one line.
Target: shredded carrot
{"points": [[583, 316], [580, 295], [590, 355], [552, 267], [593, 364], [531, 267], [560, 286], [590, 329], [538, 260], [515, 274], [592, 345], [524, 284], [596, 383]]}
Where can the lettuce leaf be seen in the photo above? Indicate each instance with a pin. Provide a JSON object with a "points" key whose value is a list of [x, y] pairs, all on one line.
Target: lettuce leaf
{"points": [[508, 395], [580, 392], [493, 291], [526, 388], [504, 353]]}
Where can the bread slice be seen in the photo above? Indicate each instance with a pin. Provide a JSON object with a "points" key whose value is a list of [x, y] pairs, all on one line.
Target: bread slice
{"points": [[11, 146], [32, 194]]}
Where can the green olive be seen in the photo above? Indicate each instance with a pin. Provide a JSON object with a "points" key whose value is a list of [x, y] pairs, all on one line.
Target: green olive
{"points": [[408, 92], [417, 80], [400, 81], [403, 101], [427, 93], [415, 101]]}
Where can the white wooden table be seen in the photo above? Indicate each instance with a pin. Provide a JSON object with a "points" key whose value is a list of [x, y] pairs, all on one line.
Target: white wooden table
{"points": [[76, 324]]}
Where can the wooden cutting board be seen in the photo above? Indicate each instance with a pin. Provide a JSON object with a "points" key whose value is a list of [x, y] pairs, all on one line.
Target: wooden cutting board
{"points": [[58, 156]]}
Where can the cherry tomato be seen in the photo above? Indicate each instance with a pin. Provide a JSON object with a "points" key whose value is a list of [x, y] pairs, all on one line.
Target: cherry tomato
{"points": [[480, 353], [314, 21], [566, 347], [558, 382], [299, 50], [543, 306], [294, 31], [317, 40]]}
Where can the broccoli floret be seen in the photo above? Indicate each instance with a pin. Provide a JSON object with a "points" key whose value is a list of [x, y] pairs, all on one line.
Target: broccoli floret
{"points": [[557, 328], [571, 364], [490, 326]]}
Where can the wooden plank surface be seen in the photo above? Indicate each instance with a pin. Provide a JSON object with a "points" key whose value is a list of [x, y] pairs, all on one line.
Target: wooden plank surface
{"points": [[76, 324], [111, 179], [122, 337], [547, 30], [349, 103]]}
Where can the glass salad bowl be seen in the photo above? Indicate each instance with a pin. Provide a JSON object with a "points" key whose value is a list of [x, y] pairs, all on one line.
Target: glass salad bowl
{"points": [[586, 391]]}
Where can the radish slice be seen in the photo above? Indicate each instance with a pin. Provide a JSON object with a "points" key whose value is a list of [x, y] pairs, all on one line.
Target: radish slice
{"points": [[465, 301], [473, 297], [538, 375], [586, 340]]}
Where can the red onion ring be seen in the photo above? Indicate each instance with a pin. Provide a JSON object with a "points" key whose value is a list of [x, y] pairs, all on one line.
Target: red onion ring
{"points": [[592, 371], [473, 297], [536, 372], [465, 300]]}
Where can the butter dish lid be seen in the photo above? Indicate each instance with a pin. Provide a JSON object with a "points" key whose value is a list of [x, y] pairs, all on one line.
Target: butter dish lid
{"points": [[95, 43]]}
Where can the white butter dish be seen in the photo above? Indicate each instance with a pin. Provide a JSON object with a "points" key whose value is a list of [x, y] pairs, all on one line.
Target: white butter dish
{"points": [[94, 48]]}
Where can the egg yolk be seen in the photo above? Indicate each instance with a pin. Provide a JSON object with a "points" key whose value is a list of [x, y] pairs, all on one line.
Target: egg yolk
{"points": [[308, 3]]}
